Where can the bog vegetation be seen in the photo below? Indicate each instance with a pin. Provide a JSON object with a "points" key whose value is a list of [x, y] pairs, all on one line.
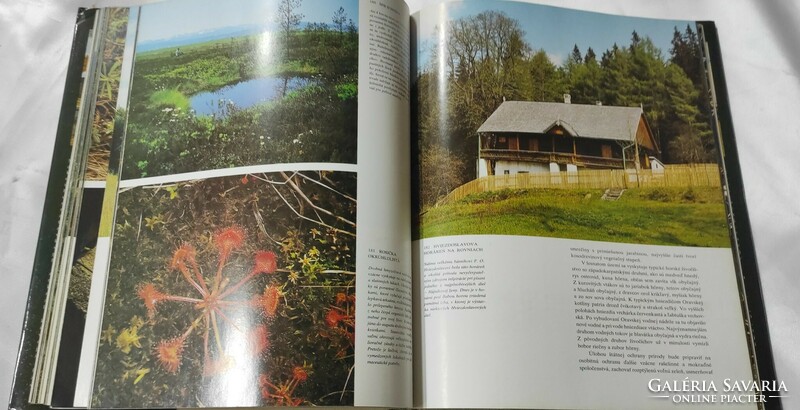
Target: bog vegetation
{"points": [[315, 122], [234, 291]]}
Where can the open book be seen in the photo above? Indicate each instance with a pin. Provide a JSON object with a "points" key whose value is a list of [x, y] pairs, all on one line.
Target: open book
{"points": [[315, 202]]}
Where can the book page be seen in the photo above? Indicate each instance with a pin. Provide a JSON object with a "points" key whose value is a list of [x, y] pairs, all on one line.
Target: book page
{"points": [[384, 343], [113, 25], [570, 322], [572, 248], [251, 140]]}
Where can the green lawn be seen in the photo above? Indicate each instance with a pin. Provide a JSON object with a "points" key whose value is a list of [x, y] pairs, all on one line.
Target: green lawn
{"points": [[656, 216]]}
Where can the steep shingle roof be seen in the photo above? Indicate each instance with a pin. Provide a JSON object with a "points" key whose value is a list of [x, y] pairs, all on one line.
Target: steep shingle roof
{"points": [[588, 121]]}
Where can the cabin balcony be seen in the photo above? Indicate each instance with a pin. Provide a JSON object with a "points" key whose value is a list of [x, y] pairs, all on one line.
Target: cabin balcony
{"points": [[584, 161]]}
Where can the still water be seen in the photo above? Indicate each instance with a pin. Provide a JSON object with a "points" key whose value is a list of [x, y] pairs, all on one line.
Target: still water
{"points": [[243, 94]]}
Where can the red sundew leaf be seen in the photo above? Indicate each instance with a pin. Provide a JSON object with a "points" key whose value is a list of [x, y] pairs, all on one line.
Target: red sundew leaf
{"points": [[333, 317], [229, 239], [150, 296], [300, 374], [269, 300], [265, 262], [169, 353], [184, 253]]}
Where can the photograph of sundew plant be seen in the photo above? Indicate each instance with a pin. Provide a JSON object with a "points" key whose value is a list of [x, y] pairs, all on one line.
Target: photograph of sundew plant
{"points": [[231, 291], [273, 82]]}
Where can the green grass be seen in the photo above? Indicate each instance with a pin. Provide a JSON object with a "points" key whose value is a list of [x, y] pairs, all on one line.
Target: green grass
{"points": [[656, 216], [169, 98]]}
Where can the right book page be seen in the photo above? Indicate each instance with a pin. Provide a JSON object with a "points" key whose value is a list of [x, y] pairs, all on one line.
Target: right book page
{"points": [[573, 243]]}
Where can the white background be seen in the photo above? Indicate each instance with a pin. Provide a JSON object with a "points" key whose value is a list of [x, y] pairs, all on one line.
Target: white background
{"points": [[761, 52]]}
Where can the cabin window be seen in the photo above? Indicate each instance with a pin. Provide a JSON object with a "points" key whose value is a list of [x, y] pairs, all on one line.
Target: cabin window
{"points": [[502, 143], [506, 172]]}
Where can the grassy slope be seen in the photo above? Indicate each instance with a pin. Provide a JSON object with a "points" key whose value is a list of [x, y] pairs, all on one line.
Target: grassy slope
{"points": [[657, 216]]}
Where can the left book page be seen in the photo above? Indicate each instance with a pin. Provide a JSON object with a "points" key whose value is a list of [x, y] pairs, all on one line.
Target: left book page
{"points": [[227, 262]]}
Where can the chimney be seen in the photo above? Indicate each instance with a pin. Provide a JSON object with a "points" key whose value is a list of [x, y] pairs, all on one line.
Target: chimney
{"points": [[567, 99]]}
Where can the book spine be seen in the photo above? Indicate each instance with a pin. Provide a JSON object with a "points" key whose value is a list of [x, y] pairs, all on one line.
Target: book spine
{"points": [[742, 236], [54, 196]]}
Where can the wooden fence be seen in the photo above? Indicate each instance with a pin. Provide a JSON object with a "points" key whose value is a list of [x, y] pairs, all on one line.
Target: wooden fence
{"points": [[684, 175]]}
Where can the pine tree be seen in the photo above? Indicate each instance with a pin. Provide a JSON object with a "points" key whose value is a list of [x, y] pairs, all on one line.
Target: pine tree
{"points": [[590, 56], [685, 53], [576, 57]]}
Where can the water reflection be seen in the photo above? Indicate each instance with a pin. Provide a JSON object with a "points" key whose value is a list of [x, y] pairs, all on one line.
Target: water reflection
{"points": [[245, 94]]}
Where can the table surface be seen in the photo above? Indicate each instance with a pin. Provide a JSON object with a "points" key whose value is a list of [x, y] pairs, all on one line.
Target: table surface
{"points": [[761, 55]]}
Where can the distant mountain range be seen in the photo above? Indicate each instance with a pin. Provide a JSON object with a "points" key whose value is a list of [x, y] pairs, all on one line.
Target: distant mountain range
{"points": [[204, 36]]}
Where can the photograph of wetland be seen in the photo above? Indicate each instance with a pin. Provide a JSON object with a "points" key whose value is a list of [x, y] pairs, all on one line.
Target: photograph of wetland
{"points": [[245, 84]]}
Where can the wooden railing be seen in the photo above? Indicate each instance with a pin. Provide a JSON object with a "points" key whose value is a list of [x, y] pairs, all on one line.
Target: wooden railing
{"points": [[547, 157], [683, 175]]}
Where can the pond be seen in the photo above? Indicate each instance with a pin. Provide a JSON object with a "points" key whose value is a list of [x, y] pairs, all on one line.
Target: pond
{"points": [[244, 94]]}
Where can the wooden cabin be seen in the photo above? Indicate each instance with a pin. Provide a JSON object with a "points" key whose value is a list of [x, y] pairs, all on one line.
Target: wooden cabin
{"points": [[527, 136]]}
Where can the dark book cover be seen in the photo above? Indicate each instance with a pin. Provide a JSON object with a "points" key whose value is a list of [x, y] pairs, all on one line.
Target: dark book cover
{"points": [[743, 246]]}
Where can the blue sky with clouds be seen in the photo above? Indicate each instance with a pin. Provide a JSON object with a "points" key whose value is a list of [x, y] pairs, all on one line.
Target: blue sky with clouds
{"points": [[178, 18], [555, 30]]}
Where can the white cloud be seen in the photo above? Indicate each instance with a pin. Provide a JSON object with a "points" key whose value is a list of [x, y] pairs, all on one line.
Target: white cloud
{"points": [[556, 59]]}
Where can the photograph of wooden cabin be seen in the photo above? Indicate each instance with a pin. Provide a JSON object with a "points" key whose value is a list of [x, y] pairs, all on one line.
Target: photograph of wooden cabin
{"points": [[601, 133], [523, 137]]}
